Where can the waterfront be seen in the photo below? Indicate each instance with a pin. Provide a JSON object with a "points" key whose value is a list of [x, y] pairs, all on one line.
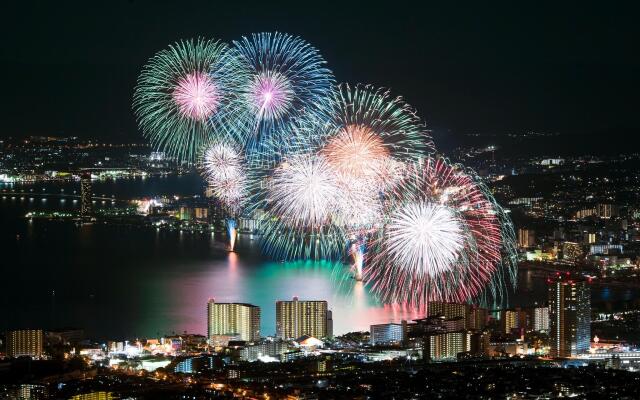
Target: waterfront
{"points": [[119, 281]]}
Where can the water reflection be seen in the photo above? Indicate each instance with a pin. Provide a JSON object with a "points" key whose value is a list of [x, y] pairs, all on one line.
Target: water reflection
{"points": [[237, 279], [117, 281]]}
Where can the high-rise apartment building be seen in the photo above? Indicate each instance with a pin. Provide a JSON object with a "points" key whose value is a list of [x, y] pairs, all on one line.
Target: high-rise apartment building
{"points": [[238, 320], [509, 320], [448, 310], [569, 316], [25, 342], [477, 318], [526, 238], [541, 319], [443, 346], [296, 318]]}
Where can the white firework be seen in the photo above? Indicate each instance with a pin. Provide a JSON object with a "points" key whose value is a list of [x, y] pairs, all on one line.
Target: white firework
{"points": [[221, 162], [223, 167], [359, 206], [424, 237], [303, 192]]}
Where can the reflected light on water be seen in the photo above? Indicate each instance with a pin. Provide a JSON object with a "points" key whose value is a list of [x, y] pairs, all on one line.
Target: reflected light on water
{"points": [[262, 283]]}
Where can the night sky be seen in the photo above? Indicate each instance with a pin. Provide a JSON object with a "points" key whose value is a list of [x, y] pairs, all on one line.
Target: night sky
{"points": [[70, 69]]}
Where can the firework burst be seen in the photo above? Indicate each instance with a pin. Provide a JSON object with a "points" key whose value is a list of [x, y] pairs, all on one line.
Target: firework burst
{"points": [[289, 82], [303, 192], [188, 92], [375, 124], [442, 238], [224, 170], [370, 136], [299, 203]]}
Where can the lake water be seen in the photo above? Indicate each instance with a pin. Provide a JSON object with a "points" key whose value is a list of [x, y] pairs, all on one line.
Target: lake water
{"points": [[121, 282]]}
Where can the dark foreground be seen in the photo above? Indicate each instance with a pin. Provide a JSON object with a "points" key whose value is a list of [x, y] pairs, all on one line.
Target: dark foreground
{"points": [[317, 379]]}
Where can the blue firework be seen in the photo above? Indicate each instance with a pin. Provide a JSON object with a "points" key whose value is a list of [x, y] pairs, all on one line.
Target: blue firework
{"points": [[289, 85]]}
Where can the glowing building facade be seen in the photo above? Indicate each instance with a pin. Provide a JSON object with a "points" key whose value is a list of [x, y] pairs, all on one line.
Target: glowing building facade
{"points": [[526, 238], [477, 318], [449, 310], [392, 333], [86, 197], [238, 320], [296, 318], [541, 319], [446, 346], [25, 342], [569, 316]]}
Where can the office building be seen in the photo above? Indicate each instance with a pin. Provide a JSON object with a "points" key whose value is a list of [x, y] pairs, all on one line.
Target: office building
{"points": [[238, 320], [86, 196], [606, 211], [569, 316], [274, 349], [296, 318], [388, 334], [589, 238], [25, 392], [25, 342]]}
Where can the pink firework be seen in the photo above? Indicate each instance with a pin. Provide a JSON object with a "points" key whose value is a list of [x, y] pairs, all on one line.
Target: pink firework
{"points": [[271, 95], [196, 96], [441, 242]]}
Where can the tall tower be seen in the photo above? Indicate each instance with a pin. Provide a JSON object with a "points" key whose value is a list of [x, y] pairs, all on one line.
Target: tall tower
{"points": [[86, 197], [233, 319], [297, 318], [569, 316]]}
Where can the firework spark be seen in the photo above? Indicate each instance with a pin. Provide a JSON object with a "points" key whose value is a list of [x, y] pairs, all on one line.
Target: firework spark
{"points": [[271, 96], [374, 123], [425, 237], [221, 161], [231, 232]]}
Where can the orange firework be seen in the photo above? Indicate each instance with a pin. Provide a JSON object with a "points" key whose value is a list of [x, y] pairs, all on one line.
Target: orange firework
{"points": [[356, 152]]}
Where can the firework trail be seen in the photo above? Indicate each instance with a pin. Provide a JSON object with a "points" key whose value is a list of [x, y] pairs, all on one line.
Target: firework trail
{"points": [[231, 232], [187, 93]]}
